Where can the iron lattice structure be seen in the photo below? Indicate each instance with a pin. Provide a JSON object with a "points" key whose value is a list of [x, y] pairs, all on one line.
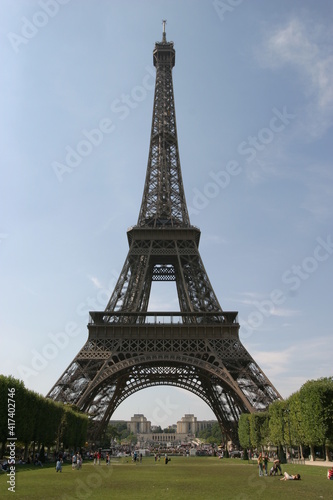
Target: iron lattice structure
{"points": [[198, 349]]}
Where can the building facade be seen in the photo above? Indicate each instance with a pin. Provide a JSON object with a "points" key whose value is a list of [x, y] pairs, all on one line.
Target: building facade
{"points": [[187, 425], [139, 424], [184, 432]]}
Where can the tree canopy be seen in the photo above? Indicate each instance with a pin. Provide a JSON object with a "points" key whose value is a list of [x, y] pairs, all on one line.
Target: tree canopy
{"points": [[304, 419], [38, 419]]}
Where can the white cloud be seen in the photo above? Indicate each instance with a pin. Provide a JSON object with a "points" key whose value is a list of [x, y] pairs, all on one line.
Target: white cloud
{"points": [[289, 367], [290, 45], [260, 302], [95, 281], [284, 313], [305, 48]]}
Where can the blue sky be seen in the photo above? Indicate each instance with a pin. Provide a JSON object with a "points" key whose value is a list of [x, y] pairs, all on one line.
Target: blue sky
{"points": [[253, 87]]}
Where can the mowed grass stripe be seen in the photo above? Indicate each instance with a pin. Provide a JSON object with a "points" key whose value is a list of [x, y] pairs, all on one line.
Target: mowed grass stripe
{"points": [[182, 478]]}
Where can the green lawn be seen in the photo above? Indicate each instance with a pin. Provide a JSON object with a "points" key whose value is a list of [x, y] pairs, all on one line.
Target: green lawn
{"points": [[182, 478]]}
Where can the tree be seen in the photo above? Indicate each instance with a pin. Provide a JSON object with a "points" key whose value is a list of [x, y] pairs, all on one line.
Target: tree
{"points": [[169, 430], [212, 433], [73, 428], [259, 431], [38, 419], [295, 422], [9, 385], [26, 416], [276, 425], [111, 433], [124, 433], [316, 404], [244, 435], [132, 438]]}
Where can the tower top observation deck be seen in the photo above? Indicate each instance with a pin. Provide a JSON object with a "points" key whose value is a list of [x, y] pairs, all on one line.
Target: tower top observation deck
{"points": [[164, 53]]}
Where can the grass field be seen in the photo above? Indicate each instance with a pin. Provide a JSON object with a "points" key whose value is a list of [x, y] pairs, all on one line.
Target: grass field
{"points": [[182, 478]]}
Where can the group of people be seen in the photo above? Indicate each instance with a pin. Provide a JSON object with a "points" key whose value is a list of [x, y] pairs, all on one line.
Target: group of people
{"points": [[136, 457], [263, 464], [76, 461], [97, 458], [275, 469]]}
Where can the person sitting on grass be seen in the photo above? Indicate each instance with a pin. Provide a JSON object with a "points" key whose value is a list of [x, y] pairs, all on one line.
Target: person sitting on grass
{"points": [[277, 466], [287, 477], [272, 471], [330, 474]]}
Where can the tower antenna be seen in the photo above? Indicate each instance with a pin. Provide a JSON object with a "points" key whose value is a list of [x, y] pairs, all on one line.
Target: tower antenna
{"points": [[164, 34]]}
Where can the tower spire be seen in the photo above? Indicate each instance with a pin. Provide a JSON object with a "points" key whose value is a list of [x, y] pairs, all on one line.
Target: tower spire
{"points": [[163, 201], [164, 33]]}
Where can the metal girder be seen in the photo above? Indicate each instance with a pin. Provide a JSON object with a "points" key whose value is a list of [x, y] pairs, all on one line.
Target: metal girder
{"points": [[208, 360], [184, 265]]}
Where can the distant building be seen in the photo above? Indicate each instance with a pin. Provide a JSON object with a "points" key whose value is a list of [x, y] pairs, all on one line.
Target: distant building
{"points": [[187, 425], [184, 432], [139, 424]]}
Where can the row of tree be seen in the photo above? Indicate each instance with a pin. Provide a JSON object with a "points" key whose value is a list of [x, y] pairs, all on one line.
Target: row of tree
{"points": [[30, 417], [304, 419], [118, 432], [211, 434]]}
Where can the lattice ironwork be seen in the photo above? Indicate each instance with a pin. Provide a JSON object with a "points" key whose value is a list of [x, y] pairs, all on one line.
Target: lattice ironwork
{"points": [[198, 347]]}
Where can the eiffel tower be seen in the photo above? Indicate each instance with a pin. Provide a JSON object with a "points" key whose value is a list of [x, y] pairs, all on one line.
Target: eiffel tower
{"points": [[198, 349]]}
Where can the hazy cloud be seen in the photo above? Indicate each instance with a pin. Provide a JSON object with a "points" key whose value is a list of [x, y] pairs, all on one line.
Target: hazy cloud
{"points": [[292, 363], [95, 281], [301, 46]]}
